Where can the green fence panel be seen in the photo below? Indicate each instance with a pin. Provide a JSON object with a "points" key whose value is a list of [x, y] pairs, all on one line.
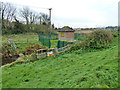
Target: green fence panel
{"points": [[63, 43], [46, 41]]}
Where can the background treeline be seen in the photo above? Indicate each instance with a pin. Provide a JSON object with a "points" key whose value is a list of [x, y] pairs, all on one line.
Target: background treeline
{"points": [[14, 20]]}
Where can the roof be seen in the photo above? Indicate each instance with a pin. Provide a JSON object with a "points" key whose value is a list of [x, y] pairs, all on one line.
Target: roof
{"points": [[66, 30]]}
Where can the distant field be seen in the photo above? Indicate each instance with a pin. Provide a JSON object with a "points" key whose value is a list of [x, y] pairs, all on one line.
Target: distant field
{"points": [[24, 38], [84, 31]]}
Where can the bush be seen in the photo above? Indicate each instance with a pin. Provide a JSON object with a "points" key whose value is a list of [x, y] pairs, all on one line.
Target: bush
{"points": [[78, 46], [115, 33], [95, 40], [5, 31], [33, 48], [8, 53], [99, 39], [18, 28]]}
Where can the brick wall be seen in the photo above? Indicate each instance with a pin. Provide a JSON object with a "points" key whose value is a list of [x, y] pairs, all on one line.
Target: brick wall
{"points": [[69, 36]]}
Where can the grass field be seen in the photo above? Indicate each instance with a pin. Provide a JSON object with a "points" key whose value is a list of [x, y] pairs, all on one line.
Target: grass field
{"points": [[22, 40], [78, 69]]}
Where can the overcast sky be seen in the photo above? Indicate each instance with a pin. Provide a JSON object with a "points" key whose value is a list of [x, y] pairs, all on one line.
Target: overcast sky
{"points": [[76, 13]]}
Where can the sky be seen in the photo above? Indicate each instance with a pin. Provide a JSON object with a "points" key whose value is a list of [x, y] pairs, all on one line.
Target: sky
{"points": [[76, 13]]}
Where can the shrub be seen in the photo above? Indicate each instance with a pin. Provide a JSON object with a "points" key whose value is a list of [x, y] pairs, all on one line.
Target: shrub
{"points": [[78, 46], [7, 50], [8, 53], [18, 28], [32, 48], [5, 31], [99, 39], [95, 40], [115, 33]]}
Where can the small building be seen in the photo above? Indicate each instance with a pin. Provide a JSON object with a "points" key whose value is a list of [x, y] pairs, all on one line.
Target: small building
{"points": [[66, 34]]}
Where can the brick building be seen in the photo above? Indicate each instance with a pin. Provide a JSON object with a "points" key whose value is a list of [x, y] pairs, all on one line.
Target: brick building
{"points": [[66, 34]]}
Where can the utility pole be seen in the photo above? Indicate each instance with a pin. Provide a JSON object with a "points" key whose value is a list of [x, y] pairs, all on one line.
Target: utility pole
{"points": [[40, 20], [50, 20]]}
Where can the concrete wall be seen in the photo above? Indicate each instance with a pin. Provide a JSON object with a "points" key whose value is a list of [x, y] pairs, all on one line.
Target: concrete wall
{"points": [[68, 36]]}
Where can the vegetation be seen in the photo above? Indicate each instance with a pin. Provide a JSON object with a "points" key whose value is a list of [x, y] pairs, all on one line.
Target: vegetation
{"points": [[95, 40], [15, 21], [66, 27], [99, 39], [8, 52], [33, 48], [22, 40], [92, 63], [90, 68]]}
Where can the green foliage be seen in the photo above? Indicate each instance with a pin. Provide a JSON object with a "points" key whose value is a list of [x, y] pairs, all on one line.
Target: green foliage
{"points": [[6, 31], [115, 33], [33, 48], [18, 28], [95, 40], [8, 52], [66, 27], [79, 36], [96, 69], [22, 40], [99, 39], [81, 45]]}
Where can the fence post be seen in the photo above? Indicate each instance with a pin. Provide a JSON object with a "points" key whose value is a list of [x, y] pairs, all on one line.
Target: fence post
{"points": [[39, 37], [49, 43], [58, 45], [43, 40], [63, 44]]}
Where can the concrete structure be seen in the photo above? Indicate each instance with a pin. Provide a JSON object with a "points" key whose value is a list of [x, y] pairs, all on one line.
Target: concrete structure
{"points": [[66, 34]]}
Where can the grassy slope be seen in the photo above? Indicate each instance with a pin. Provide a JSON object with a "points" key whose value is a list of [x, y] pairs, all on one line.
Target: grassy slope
{"points": [[79, 70]]}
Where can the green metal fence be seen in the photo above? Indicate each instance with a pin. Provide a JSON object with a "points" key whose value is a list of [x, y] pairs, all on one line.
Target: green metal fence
{"points": [[63, 43], [46, 40]]}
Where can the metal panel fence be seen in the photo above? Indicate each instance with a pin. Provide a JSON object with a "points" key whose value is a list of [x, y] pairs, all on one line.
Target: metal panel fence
{"points": [[44, 40], [63, 43], [47, 41]]}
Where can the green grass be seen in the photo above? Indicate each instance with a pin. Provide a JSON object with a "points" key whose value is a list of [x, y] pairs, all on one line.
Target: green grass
{"points": [[22, 40], [78, 69], [54, 43]]}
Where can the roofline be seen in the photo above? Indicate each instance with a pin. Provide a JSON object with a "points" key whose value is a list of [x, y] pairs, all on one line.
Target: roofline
{"points": [[66, 30]]}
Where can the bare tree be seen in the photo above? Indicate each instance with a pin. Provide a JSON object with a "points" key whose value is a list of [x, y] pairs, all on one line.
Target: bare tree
{"points": [[7, 12], [33, 17], [3, 10], [44, 18], [25, 13], [10, 12]]}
